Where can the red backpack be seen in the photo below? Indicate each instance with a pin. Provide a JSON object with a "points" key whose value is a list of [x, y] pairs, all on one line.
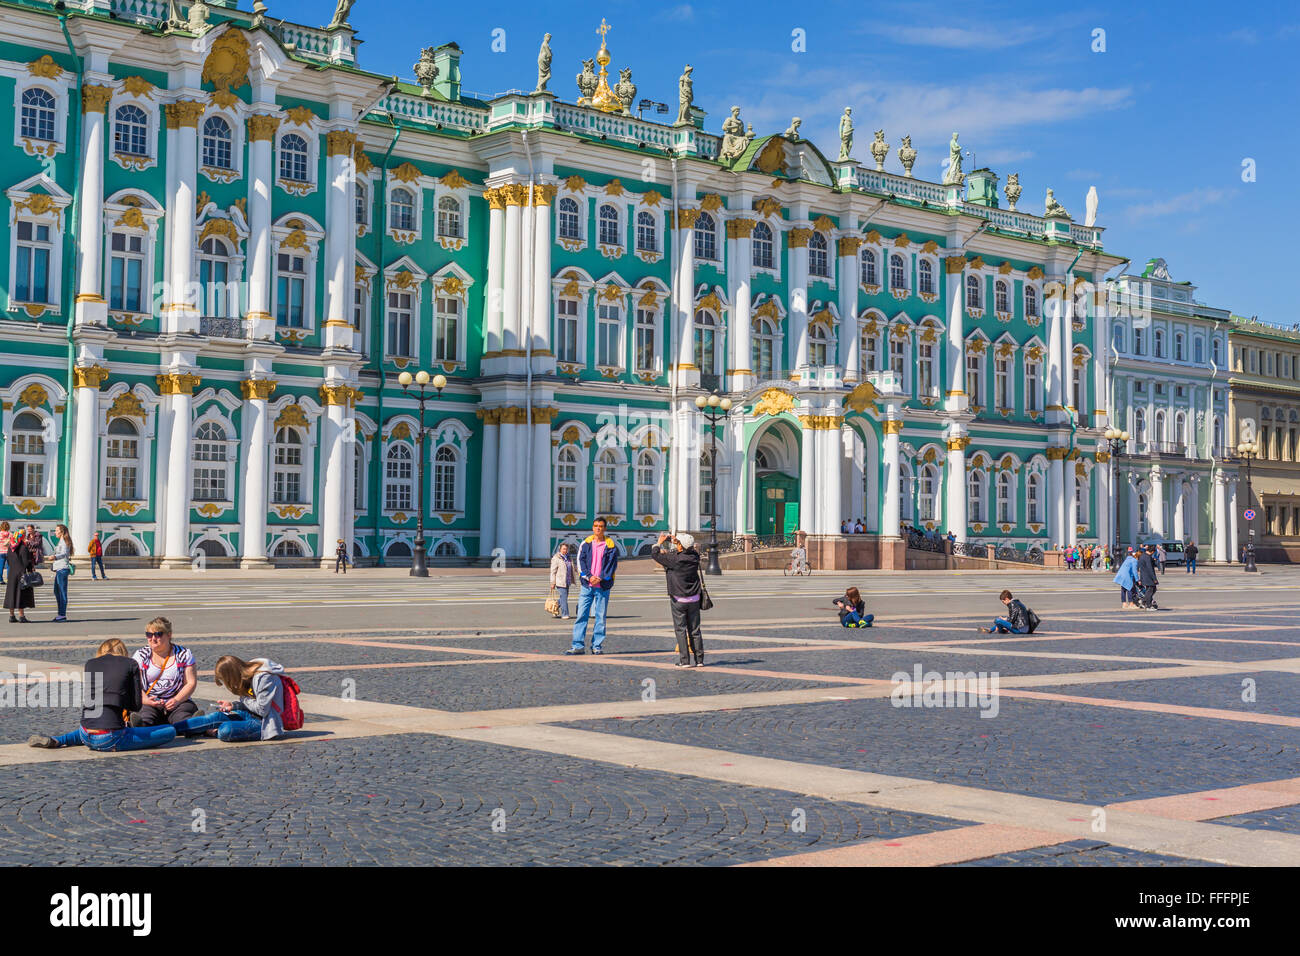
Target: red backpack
{"points": [[291, 715]]}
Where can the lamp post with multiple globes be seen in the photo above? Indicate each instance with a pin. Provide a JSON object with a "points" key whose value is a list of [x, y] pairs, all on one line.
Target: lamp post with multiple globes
{"points": [[715, 410], [1117, 439], [1248, 450], [419, 560]]}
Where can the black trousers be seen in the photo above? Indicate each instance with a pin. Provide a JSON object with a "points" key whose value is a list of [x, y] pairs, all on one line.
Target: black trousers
{"points": [[686, 622], [148, 716]]}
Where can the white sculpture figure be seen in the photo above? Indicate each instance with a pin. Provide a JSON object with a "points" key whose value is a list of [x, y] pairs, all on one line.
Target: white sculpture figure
{"points": [[734, 139], [198, 19], [1053, 209], [685, 94], [793, 131], [1091, 204], [953, 176], [846, 134], [341, 14], [544, 65]]}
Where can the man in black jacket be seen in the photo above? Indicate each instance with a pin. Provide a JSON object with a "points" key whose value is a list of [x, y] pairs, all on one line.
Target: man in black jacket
{"points": [[1147, 581], [1190, 551], [1016, 621], [682, 573]]}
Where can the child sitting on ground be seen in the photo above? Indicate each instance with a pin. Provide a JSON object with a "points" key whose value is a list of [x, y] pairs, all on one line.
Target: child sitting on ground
{"points": [[1019, 619], [853, 610]]}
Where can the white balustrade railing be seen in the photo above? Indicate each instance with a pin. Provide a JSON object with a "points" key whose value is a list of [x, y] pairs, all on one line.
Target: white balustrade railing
{"points": [[424, 110]]}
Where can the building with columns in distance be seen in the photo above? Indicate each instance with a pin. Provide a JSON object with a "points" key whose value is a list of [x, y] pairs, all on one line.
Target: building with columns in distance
{"points": [[1177, 477], [227, 239]]}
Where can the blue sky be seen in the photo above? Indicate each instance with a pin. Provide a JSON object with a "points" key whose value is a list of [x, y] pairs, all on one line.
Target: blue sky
{"points": [[1160, 122]]}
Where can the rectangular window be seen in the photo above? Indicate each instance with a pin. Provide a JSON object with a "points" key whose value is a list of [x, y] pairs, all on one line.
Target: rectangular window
{"points": [[210, 484], [290, 284], [446, 344], [125, 269], [399, 323], [925, 369], [1033, 387], [1002, 383], [32, 278], [974, 391], [645, 340], [609, 318], [896, 357], [566, 330]]}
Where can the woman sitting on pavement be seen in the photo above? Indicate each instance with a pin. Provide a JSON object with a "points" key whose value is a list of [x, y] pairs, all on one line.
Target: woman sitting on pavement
{"points": [[167, 672], [853, 610], [113, 689], [258, 711]]}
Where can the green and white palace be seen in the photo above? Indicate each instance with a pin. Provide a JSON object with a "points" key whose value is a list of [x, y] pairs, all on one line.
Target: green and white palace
{"points": [[226, 240]]}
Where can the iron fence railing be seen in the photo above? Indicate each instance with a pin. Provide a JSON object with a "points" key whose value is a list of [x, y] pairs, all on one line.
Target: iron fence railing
{"points": [[762, 542], [1007, 552], [919, 541], [969, 549]]}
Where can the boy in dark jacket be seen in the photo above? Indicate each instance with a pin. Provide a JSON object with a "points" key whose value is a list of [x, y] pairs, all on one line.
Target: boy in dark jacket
{"points": [[853, 610], [1016, 621], [1147, 581], [682, 575]]}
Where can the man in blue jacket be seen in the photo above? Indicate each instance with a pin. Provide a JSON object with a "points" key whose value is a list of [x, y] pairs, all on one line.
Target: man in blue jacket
{"points": [[597, 562]]}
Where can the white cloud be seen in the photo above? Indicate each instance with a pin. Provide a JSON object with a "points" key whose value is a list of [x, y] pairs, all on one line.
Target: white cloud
{"points": [[958, 38], [1182, 204], [683, 13]]}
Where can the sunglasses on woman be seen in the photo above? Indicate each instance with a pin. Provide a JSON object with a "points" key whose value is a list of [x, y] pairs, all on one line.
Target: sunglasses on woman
{"points": [[158, 634]]}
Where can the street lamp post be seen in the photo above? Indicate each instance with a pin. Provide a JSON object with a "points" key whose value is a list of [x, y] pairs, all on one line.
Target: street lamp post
{"points": [[1248, 450], [419, 561], [1117, 439], [715, 410]]}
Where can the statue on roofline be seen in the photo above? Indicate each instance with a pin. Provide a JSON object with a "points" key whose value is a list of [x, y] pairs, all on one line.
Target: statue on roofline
{"points": [[544, 65], [341, 14]]}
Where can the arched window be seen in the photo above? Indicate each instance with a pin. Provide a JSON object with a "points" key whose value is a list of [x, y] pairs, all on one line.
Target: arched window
{"points": [[131, 131], [566, 480], [218, 143], [1117, 337], [209, 463], [1216, 352], [925, 276], [446, 550], [1160, 428], [906, 493], [446, 329], [705, 332], [449, 218], [819, 263], [122, 547], [646, 239], [1180, 429], [361, 200], [214, 278], [1001, 296], [1031, 301], [287, 549], [897, 272], [401, 209], [706, 237], [973, 297], [1081, 500], [287, 467], [868, 351], [976, 498], [647, 465], [399, 486], [398, 550], [122, 461], [1219, 450], [609, 226], [706, 486], [1006, 510], [607, 483], [1033, 384], [929, 493], [210, 548], [445, 462], [126, 266], [566, 219], [762, 246], [867, 269], [818, 345], [293, 158], [27, 456], [1034, 499], [764, 348], [358, 475], [1077, 388], [38, 113]]}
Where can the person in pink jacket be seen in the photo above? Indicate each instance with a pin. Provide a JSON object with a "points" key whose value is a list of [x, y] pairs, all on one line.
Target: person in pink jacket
{"points": [[6, 542], [561, 578]]}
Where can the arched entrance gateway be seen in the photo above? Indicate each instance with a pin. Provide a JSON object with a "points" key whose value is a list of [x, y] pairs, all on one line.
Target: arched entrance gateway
{"points": [[774, 461]]}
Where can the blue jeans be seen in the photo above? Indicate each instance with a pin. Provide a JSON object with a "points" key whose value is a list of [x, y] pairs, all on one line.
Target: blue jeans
{"points": [[4, 561], [61, 591], [592, 602], [853, 617], [232, 727], [128, 738], [1191, 565], [98, 560], [1003, 626]]}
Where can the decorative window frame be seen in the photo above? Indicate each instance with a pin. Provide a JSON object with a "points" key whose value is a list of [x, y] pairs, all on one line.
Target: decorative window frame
{"points": [[454, 434], [302, 122], [650, 202], [452, 185], [1080, 356], [394, 281], [978, 470], [651, 295], [1002, 470], [825, 315], [977, 344], [607, 440], [370, 180], [310, 480], [901, 329], [974, 311], [414, 186], [48, 407], [452, 282], [400, 432], [770, 308], [832, 259], [140, 398], [713, 300], [1004, 315], [612, 290], [1033, 321], [363, 277], [230, 226], [49, 76], [930, 331], [873, 323], [576, 435], [774, 225], [1004, 348], [219, 405], [134, 212], [45, 208], [364, 429], [1036, 475], [640, 446], [936, 277], [572, 283], [238, 136], [610, 250], [573, 188], [905, 290], [135, 91], [296, 232], [873, 241]]}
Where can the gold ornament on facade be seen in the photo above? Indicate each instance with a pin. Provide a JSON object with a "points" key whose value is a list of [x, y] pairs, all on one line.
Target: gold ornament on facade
{"points": [[901, 241], [131, 217], [954, 264], [211, 510], [33, 395], [961, 443], [711, 203], [771, 158], [177, 383], [94, 99], [290, 511], [122, 507], [225, 228], [227, 62], [223, 98], [45, 68], [126, 405], [489, 416], [571, 288], [614, 188], [408, 172], [257, 388], [823, 223], [711, 302], [767, 207], [300, 115], [1035, 273], [900, 332], [848, 245], [544, 194], [799, 237], [575, 183], [1004, 350], [861, 398], [139, 87], [452, 179], [262, 127], [544, 415], [975, 347], [767, 309], [344, 395], [295, 240], [740, 228], [183, 114], [977, 262], [404, 281], [291, 416], [340, 142], [515, 194], [38, 204], [774, 401], [1004, 269], [686, 218], [362, 160], [612, 293], [514, 415], [1055, 453], [450, 285], [89, 376], [494, 199], [649, 300], [652, 197], [892, 426]]}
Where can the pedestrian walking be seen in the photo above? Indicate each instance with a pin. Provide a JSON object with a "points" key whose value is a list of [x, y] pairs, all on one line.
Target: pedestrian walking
{"points": [[1161, 557], [1190, 551], [61, 565], [685, 593], [169, 677], [265, 705], [103, 719], [6, 542], [96, 551], [341, 557], [562, 575], [597, 563], [1126, 578], [20, 592], [1146, 579]]}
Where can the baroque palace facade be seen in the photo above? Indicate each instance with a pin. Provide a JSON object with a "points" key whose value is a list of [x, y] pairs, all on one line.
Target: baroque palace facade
{"points": [[227, 240]]}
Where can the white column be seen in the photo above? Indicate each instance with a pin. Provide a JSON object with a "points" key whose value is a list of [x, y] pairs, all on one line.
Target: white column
{"points": [[1176, 488], [332, 446], [892, 511], [340, 251], [1156, 503], [829, 478], [542, 196], [178, 392], [797, 335], [488, 489], [510, 512], [90, 305], [495, 267], [515, 195], [808, 490], [955, 485], [541, 530], [739, 267], [955, 361], [1071, 503], [1102, 504], [1222, 547], [1056, 363], [256, 443], [182, 124], [261, 132], [1234, 539], [1134, 511], [84, 467], [1056, 499], [847, 354], [684, 320]]}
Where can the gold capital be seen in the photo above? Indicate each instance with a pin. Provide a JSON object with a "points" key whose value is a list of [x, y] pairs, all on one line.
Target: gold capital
{"points": [[515, 194], [177, 383], [339, 395], [183, 114], [494, 198], [260, 388], [543, 194], [740, 228], [94, 99], [544, 416], [89, 376], [686, 218], [799, 237], [340, 142], [489, 416], [954, 264], [848, 245], [1057, 454], [262, 127], [892, 426], [959, 444]]}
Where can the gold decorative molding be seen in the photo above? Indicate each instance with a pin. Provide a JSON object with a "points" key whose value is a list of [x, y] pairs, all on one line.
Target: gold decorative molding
{"points": [[959, 444], [489, 416], [687, 217], [262, 127], [184, 114], [177, 383], [848, 245], [901, 241], [823, 223], [768, 207], [515, 194], [292, 415], [740, 228], [861, 398], [122, 507], [45, 68], [344, 395], [33, 396], [652, 197], [340, 142], [954, 264], [1035, 273], [774, 401], [225, 228], [257, 388], [126, 405], [544, 415], [892, 426], [227, 62], [290, 511], [575, 184], [223, 98], [89, 376], [977, 262], [543, 195], [300, 115], [452, 179], [408, 172], [210, 510], [1055, 453], [513, 415], [139, 87], [711, 203], [821, 422], [94, 99], [799, 237]]}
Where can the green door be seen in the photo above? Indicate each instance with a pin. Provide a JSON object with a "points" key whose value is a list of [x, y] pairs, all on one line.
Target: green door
{"points": [[778, 504]]}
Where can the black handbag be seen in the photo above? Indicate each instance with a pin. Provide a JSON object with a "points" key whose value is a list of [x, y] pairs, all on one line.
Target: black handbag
{"points": [[706, 602], [32, 579]]}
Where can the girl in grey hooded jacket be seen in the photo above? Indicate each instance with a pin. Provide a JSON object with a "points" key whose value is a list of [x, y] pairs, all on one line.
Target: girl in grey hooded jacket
{"points": [[258, 708]]}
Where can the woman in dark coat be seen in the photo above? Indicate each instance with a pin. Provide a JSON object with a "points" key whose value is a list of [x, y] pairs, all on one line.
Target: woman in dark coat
{"points": [[22, 559], [684, 594]]}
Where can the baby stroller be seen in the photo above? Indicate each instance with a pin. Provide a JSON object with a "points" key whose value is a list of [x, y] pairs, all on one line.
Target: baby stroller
{"points": [[1146, 597]]}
